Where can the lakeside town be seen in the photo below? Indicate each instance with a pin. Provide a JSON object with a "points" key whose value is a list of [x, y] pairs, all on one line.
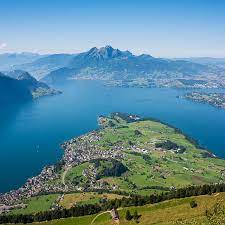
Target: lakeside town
{"points": [[214, 99], [50, 180], [178, 83]]}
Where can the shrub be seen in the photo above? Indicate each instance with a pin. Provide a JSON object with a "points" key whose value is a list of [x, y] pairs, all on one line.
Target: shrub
{"points": [[128, 215], [193, 204]]}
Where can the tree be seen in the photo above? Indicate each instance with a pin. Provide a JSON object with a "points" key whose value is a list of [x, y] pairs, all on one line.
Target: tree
{"points": [[128, 215], [135, 216]]}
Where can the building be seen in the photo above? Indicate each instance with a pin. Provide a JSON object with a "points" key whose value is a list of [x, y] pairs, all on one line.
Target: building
{"points": [[115, 215]]}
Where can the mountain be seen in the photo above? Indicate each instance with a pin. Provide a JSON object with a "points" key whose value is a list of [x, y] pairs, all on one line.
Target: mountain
{"points": [[46, 64], [12, 90], [218, 62], [19, 86], [95, 55], [108, 63], [9, 60]]}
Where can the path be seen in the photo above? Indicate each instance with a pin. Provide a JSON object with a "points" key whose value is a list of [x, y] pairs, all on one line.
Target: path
{"points": [[64, 176], [92, 222], [98, 216]]}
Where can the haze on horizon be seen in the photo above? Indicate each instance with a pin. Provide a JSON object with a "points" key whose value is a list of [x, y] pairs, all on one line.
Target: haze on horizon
{"points": [[173, 28]]}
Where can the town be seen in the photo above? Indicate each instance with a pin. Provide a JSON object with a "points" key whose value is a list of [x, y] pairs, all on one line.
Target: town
{"points": [[214, 99]]}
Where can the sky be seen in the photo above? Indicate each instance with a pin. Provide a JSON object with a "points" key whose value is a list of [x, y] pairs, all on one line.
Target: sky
{"points": [[162, 28]]}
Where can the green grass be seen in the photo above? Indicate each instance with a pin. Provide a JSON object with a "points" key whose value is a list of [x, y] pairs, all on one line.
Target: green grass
{"points": [[37, 204], [76, 172], [86, 198], [85, 220]]}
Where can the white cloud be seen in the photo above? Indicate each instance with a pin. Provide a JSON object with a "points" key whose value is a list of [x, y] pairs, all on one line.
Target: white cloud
{"points": [[2, 45]]}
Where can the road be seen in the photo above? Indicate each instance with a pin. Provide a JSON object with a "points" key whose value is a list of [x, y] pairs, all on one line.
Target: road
{"points": [[64, 176], [92, 222]]}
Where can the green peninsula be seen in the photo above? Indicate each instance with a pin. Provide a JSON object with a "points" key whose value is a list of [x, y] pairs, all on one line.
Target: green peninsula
{"points": [[126, 155], [139, 156]]}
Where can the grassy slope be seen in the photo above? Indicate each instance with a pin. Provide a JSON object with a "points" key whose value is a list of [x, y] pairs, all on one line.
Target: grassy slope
{"points": [[86, 198], [165, 213]]}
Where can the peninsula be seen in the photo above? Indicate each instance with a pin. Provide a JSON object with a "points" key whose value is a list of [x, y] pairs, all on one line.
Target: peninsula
{"points": [[214, 99]]}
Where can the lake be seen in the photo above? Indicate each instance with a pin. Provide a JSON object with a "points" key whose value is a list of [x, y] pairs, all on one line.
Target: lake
{"points": [[31, 133]]}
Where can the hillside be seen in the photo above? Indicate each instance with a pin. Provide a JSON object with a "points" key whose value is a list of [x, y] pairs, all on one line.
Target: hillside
{"points": [[11, 90], [9, 60], [45, 64], [172, 212], [20, 86], [218, 62]]}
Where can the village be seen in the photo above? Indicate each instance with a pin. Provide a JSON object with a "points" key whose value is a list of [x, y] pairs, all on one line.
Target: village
{"points": [[76, 151], [214, 99]]}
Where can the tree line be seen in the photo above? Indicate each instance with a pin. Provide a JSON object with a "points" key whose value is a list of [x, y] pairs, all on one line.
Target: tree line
{"points": [[132, 200]]}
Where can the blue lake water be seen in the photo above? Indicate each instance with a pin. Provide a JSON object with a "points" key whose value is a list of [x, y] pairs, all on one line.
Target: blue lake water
{"points": [[31, 133]]}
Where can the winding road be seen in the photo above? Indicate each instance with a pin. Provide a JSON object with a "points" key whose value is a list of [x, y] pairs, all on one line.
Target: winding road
{"points": [[92, 222], [64, 176]]}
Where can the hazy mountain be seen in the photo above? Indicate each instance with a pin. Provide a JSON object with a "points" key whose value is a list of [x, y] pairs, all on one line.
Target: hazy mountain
{"points": [[218, 62], [12, 90], [17, 86], [42, 66], [109, 63], [9, 60]]}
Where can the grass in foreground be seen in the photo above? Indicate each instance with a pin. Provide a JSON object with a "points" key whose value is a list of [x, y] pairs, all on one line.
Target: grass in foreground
{"points": [[173, 212]]}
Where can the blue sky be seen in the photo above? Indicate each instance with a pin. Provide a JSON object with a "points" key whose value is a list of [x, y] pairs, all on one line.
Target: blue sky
{"points": [[163, 28]]}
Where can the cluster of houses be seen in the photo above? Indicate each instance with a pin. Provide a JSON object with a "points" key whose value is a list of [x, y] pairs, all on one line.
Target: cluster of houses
{"points": [[134, 148], [33, 187], [76, 151], [7, 208], [84, 149]]}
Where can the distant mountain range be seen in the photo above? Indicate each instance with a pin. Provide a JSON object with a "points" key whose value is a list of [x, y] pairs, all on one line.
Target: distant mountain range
{"points": [[9, 60], [19, 86], [107, 63], [45, 64], [218, 62]]}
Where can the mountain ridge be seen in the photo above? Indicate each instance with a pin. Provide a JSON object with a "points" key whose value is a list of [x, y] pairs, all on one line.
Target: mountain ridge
{"points": [[20, 86]]}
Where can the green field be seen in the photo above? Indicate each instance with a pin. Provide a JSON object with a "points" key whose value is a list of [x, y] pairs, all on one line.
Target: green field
{"points": [[86, 198], [37, 204]]}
